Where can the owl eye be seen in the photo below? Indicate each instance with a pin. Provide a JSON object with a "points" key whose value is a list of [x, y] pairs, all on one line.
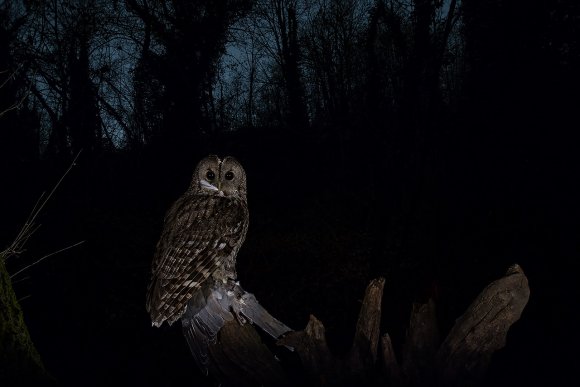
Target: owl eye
{"points": [[229, 175], [210, 175]]}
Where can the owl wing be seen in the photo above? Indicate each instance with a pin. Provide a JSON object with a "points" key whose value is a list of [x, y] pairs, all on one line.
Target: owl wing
{"points": [[222, 303], [200, 234]]}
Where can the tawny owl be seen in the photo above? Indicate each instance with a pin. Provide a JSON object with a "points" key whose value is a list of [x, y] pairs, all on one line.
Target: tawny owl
{"points": [[194, 273], [203, 231]]}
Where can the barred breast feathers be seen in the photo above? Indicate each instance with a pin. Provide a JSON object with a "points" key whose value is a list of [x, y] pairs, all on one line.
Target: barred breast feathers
{"points": [[201, 235]]}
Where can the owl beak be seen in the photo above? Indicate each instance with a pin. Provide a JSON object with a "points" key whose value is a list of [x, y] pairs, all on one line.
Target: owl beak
{"points": [[205, 184], [219, 188]]}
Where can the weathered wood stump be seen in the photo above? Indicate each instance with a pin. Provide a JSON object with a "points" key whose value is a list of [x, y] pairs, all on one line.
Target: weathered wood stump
{"points": [[461, 359], [240, 358], [466, 352]]}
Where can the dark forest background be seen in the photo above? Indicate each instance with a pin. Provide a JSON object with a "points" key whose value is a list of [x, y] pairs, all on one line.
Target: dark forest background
{"points": [[431, 142]]}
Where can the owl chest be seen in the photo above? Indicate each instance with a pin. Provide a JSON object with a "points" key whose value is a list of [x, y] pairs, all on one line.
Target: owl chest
{"points": [[210, 224], [214, 216]]}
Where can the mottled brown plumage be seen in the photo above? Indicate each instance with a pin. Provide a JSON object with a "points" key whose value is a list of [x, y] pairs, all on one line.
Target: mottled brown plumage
{"points": [[203, 231]]}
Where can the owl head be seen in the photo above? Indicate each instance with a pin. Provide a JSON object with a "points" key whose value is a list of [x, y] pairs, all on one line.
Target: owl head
{"points": [[214, 176]]}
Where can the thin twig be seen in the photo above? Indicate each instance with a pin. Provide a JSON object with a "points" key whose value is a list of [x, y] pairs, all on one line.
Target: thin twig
{"points": [[46, 256], [57, 184], [11, 76], [20, 280], [24, 298], [16, 105], [29, 228]]}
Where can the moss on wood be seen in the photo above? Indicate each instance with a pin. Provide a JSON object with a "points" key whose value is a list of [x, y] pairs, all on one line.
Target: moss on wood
{"points": [[19, 360]]}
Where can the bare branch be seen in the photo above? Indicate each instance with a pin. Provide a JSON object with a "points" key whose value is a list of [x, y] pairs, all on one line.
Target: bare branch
{"points": [[46, 256], [29, 227]]}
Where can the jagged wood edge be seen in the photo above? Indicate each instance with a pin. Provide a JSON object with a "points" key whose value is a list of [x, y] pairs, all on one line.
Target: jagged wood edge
{"points": [[312, 348], [465, 354]]}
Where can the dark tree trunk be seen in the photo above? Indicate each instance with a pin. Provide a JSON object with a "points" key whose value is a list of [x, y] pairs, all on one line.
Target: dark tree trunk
{"points": [[193, 35], [82, 115], [291, 54]]}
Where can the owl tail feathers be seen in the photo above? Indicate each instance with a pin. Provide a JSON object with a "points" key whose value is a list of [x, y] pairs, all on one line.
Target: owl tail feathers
{"points": [[207, 312], [198, 344]]}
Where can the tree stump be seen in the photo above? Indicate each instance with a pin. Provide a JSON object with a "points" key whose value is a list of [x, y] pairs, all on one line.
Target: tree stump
{"points": [[240, 358], [465, 354]]}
